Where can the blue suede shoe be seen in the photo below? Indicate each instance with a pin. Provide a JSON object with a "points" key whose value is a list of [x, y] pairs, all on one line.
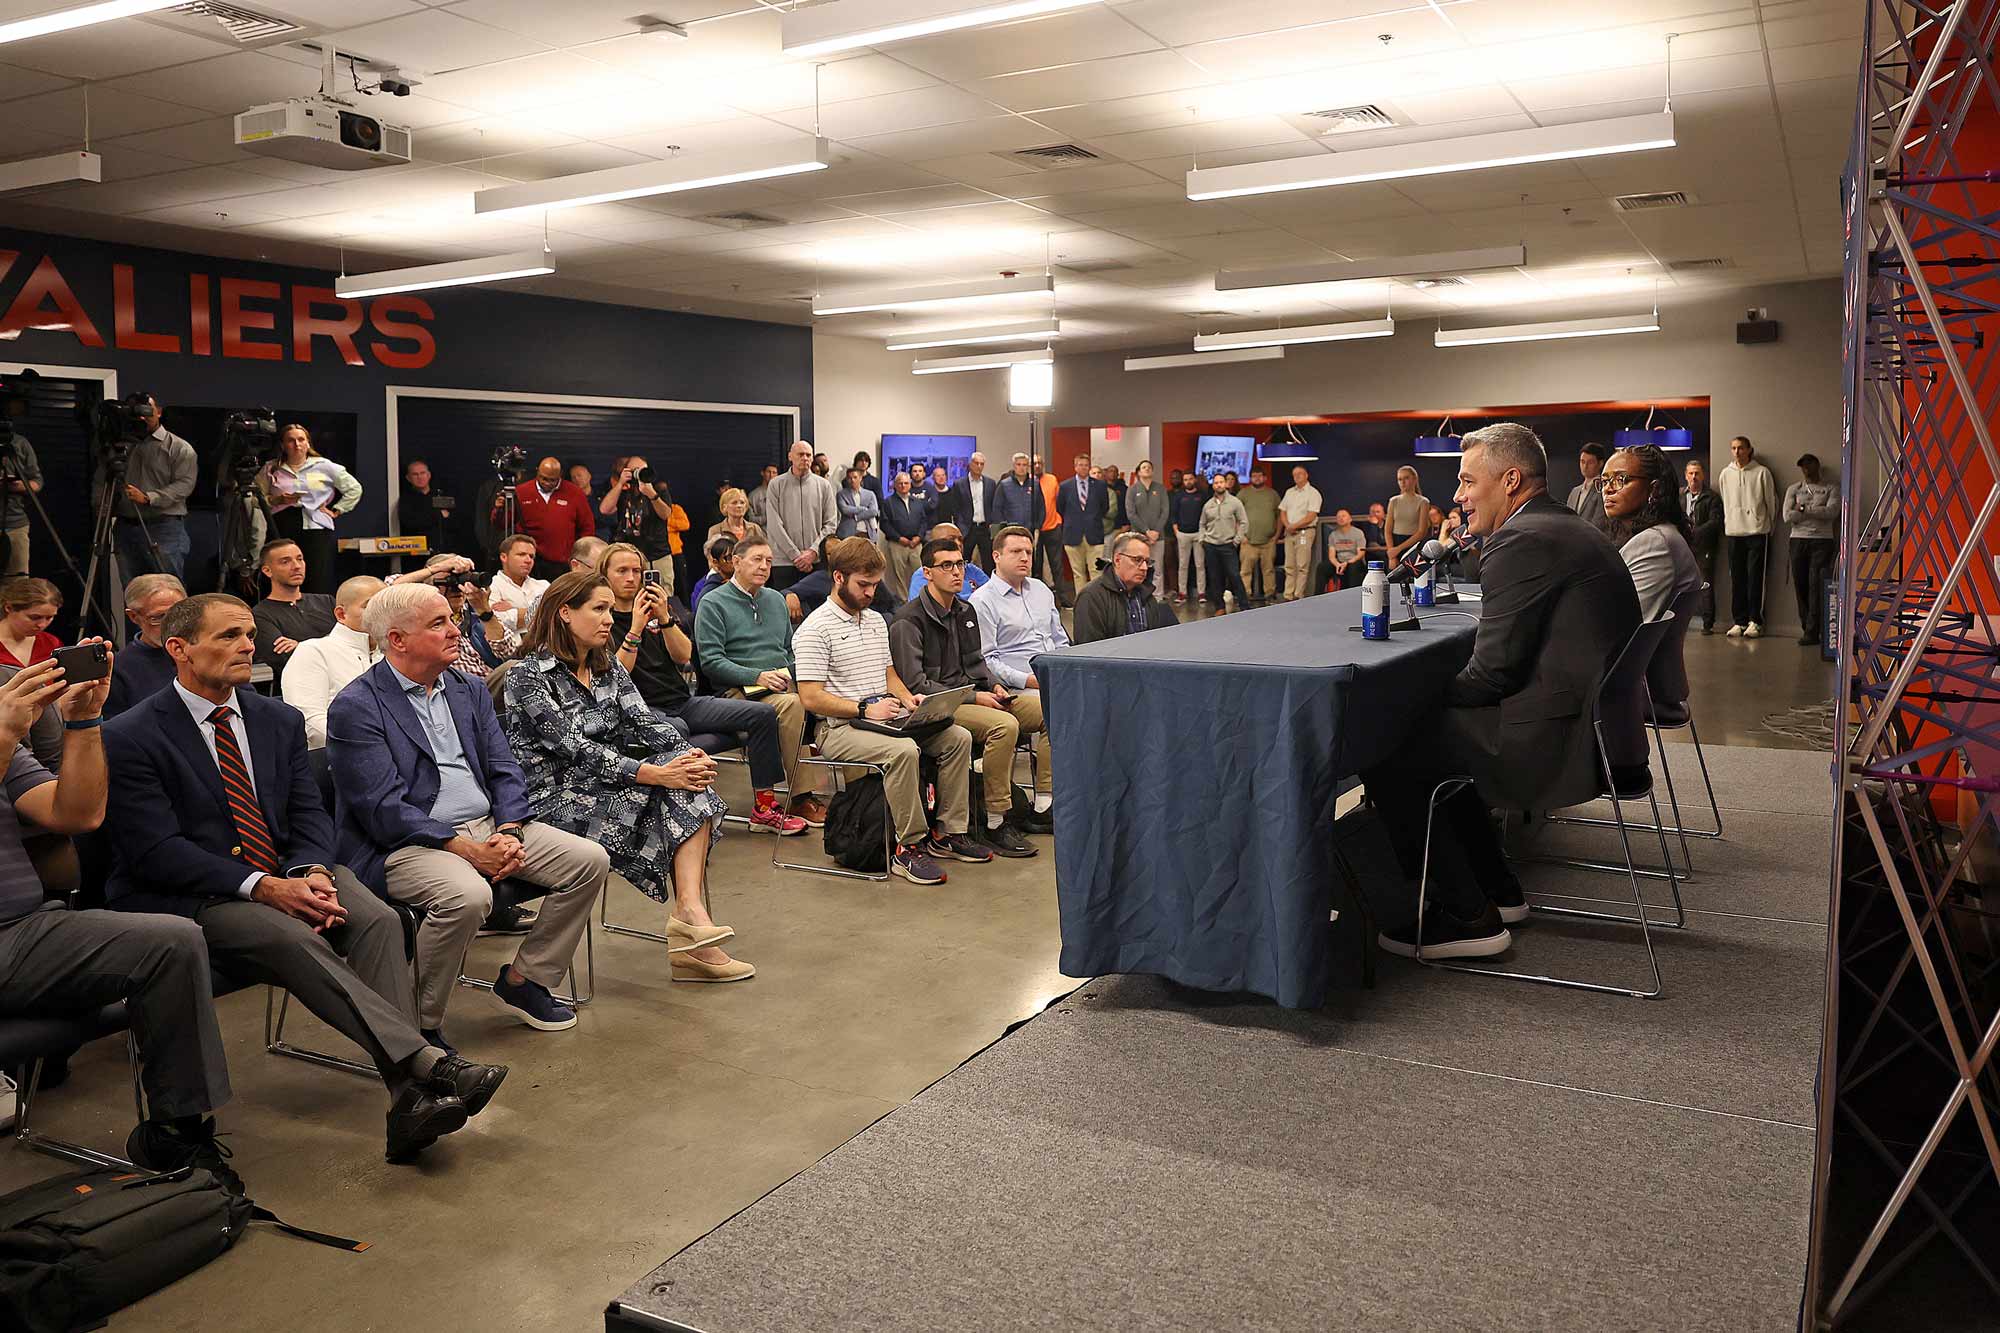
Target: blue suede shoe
{"points": [[532, 1004]]}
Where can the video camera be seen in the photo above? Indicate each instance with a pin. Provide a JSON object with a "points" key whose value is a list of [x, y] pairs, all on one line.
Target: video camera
{"points": [[248, 440], [509, 461], [11, 391], [116, 425]]}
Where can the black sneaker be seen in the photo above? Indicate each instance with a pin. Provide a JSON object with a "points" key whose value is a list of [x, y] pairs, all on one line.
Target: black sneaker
{"points": [[157, 1147], [957, 847], [1006, 842], [1039, 821], [913, 863], [507, 920], [418, 1118], [472, 1084], [531, 1002], [1510, 902], [1448, 936]]}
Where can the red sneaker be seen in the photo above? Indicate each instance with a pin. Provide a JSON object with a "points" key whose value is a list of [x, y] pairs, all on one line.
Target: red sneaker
{"points": [[770, 819]]}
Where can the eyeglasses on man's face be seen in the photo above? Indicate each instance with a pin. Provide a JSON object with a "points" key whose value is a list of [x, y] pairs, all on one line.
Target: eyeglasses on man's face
{"points": [[1144, 561], [949, 566]]}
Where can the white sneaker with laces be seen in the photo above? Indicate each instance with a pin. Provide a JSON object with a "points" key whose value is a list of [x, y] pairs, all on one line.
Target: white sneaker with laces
{"points": [[1756, 631], [1735, 632]]}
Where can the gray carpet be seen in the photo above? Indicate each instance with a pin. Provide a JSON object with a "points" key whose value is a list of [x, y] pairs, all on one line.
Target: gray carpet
{"points": [[1441, 1152]]}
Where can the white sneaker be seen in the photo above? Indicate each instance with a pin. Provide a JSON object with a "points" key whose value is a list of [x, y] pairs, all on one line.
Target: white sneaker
{"points": [[1735, 632], [1755, 631]]}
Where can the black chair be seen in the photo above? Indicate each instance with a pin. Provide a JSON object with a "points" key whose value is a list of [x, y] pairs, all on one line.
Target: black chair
{"points": [[1618, 717], [27, 1043]]}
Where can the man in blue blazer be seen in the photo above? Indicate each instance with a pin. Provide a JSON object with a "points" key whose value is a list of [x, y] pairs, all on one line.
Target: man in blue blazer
{"points": [[434, 808], [215, 815], [1082, 502], [974, 500]]}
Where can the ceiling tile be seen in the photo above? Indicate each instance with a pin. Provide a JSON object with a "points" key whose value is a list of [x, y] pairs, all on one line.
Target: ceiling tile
{"points": [[340, 15], [1343, 45], [495, 136], [1821, 60], [229, 83], [1094, 80], [18, 82], [108, 50], [546, 79], [1492, 21], [1710, 74], [1204, 137], [889, 203], [894, 111], [434, 40], [567, 160], [1090, 33], [112, 113], [1183, 22], [571, 23], [995, 135], [792, 84]]}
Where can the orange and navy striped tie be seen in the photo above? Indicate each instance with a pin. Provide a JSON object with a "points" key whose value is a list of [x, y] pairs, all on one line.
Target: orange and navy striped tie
{"points": [[252, 832]]}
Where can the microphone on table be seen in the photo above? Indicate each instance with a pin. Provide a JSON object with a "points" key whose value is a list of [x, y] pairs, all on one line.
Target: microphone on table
{"points": [[1419, 561]]}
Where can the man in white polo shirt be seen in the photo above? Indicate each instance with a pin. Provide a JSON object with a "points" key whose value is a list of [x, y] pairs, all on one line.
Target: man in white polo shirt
{"points": [[515, 588], [841, 654]]}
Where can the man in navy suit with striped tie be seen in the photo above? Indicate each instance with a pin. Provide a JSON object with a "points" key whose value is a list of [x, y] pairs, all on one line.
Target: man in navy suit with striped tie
{"points": [[216, 815]]}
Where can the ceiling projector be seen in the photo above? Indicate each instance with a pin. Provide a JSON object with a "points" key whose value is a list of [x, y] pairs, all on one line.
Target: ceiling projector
{"points": [[323, 132]]}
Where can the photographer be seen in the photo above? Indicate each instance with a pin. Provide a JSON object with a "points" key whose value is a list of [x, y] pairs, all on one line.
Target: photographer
{"points": [[151, 504], [646, 516], [484, 641], [22, 474]]}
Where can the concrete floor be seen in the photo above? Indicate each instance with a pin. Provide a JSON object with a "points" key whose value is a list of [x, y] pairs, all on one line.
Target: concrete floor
{"points": [[668, 1107]]}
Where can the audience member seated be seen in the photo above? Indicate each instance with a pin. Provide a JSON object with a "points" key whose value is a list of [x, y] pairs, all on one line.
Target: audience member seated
{"points": [[1376, 533], [1344, 563], [1121, 600], [810, 593], [1643, 515], [721, 553], [434, 809], [651, 632], [144, 668], [1018, 619], [1557, 609], [44, 739], [484, 642], [26, 608], [515, 589], [975, 577], [580, 727], [288, 615], [845, 672], [585, 554], [934, 645], [743, 638], [55, 961], [321, 668], [215, 815]]}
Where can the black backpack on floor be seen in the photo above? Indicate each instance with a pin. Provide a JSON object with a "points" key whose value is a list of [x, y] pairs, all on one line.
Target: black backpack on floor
{"points": [[856, 816]]}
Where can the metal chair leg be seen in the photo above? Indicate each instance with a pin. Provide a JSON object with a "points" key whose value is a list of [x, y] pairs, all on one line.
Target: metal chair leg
{"points": [[888, 828], [1714, 808], [275, 1043], [26, 1137]]}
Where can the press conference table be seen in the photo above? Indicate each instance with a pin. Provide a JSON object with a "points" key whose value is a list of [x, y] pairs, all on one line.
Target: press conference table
{"points": [[1197, 769]]}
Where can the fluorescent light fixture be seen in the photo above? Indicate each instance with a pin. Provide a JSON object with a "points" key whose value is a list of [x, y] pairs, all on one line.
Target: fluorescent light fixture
{"points": [[1305, 333], [63, 20], [1589, 138], [697, 171], [1032, 330], [61, 169], [1399, 266], [457, 273], [819, 30], [951, 365], [1560, 328], [1031, 385], [943, 293], [1204, 358]]}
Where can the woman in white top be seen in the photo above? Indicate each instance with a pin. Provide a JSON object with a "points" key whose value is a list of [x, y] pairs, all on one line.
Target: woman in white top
{"points": [[306, 492], [1643, 514]]}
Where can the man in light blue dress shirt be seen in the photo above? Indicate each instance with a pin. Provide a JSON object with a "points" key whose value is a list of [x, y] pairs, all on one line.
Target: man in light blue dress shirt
{"points": [[1018, 618]]}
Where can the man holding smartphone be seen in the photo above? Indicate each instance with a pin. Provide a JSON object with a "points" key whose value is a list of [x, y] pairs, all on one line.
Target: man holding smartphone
{"points": [[743, 637]]}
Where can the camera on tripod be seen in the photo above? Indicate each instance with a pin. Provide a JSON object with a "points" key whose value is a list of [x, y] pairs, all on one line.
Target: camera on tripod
{"points": [[249, 440], [509, 461], [115, 426]]}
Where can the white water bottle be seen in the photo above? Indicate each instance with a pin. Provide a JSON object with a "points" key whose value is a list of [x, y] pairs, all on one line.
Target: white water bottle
{"points": [[1423, 592], [1375, 602]]}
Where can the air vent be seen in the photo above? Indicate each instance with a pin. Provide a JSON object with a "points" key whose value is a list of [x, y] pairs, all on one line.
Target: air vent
{"points": [[245, 25], [743, 220], [1639, 203], [1053, 155], [1696, 265], [1350, 119], [1426, 284]]}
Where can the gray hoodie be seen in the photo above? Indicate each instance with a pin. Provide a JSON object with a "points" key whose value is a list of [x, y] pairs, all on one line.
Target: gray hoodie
{"points": [[1146, 507]]}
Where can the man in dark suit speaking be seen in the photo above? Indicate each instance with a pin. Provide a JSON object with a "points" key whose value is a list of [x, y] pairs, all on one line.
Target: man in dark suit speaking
{"points": [[216, 816], [1557, 608], [1082, 502]]}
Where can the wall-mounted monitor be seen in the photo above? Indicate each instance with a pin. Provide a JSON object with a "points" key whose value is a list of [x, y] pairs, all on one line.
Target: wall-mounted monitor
{"points": [[1223, 453], [899, 452]]}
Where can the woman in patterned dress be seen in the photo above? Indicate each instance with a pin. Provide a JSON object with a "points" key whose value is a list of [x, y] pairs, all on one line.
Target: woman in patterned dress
{"points": [[600, 765]]}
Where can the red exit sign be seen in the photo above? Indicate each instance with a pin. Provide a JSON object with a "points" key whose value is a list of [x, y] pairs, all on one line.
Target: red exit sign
{"points": [[237, 317]]}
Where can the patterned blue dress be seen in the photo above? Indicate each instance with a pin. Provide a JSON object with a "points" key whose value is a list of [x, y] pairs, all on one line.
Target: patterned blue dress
{"points": [[581, 749]]}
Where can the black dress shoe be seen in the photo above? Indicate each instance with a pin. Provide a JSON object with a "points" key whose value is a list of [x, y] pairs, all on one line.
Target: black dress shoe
{"points": [[1039, 821], [507, 919], [418, 1118], [157, 1147], [472, 1084], [1449, 936], [1005, 841], [1510, 901]]}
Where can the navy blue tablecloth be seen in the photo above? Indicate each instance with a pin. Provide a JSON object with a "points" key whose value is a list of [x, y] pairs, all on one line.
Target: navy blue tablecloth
{"points": [[1196, 773]]}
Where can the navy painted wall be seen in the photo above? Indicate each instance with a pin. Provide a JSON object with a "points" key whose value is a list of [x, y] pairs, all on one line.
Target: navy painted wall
{"points": [[485, 339]]}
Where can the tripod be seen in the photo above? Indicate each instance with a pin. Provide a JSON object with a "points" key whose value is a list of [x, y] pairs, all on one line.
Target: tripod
{"points": [[113, 463], [243, 507], [10, 474]]}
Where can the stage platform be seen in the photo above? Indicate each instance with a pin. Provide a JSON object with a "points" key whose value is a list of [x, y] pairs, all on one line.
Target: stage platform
{"points": [[1441, 1152]]}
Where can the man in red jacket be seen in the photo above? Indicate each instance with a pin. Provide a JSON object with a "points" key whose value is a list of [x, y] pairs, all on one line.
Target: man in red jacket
{"points": [[556, 514]]}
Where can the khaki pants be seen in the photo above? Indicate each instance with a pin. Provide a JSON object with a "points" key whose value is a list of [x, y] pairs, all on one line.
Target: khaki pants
{"points": [[903, 562], [952, 748], [996, 733], [1187, 554], [665, 564], [17, 550], [1260, 557], [799, 781], [1082, 563], [455, 899], [1298, 565]]}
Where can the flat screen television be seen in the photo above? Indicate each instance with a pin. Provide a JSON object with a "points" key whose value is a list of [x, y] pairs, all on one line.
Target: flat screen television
{"points": [[1223, 453], [899, 452]]}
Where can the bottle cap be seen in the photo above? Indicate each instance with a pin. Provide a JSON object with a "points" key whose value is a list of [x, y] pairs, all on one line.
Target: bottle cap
{"points": [[1377, 564]]}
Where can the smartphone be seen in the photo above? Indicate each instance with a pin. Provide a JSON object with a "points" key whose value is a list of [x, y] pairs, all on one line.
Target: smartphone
{"points": [[651, 578], [85, 662]]}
